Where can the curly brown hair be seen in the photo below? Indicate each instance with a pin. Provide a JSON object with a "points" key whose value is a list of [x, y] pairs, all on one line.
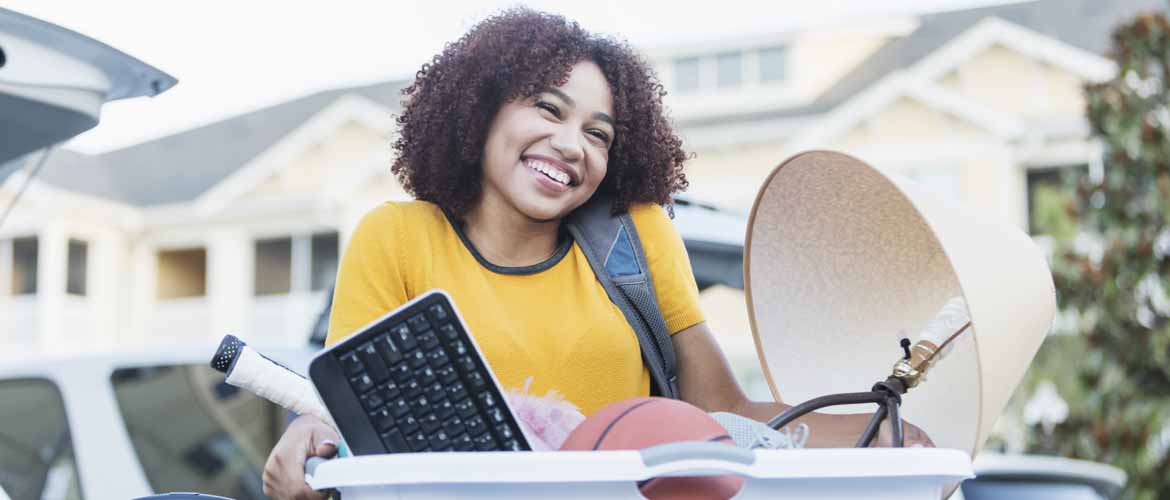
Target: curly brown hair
{"points": [[515, 54]]}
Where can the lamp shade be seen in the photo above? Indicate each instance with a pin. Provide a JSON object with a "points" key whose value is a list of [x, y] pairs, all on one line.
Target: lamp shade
{"points": [[843, 260]]}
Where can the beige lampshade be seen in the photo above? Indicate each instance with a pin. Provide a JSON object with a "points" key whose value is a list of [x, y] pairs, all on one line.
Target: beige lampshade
{"points": [[842, 260]]}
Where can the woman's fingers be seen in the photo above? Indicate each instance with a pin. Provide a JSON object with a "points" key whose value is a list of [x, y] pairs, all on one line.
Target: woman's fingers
{"points": [[916, 437], [284, 472]]}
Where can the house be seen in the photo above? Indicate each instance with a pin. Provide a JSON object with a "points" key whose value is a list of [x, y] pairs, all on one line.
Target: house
{"points": [[236, 226]]}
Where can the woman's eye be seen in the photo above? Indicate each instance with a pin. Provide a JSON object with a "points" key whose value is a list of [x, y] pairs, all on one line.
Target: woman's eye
{"points": [[600, 135], [551, 108]]}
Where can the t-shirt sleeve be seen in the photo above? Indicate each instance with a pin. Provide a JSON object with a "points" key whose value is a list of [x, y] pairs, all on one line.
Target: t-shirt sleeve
{"points": [[370, 278], [670, 267]]}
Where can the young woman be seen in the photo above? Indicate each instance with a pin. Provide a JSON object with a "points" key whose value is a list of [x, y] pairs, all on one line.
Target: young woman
{"points": [[504, 133]]}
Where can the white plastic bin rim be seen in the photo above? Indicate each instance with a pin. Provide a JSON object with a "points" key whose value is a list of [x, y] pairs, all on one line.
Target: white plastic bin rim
{"points": [[946, 465]]}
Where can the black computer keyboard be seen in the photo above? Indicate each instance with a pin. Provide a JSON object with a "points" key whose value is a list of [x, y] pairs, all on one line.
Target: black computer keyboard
{"points": [[414, 381]]}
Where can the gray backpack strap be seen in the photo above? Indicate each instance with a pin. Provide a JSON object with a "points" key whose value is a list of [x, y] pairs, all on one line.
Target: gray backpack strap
{"points": [[611, 245]]}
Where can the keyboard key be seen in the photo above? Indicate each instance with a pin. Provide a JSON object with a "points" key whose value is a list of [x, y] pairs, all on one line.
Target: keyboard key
{"points": [[475, 425], [420, 405], [454, 426], [375, 366], [362, 383], [372, 400], [389, 351], [430, 423], [425, 375], [512, 445], [456, 391], [505, 432], [437, 392], [402, 337], [389, 390], [476, 381], [352, 365], [438, 313], [408, 424], [399, 407], [417, 359], [383, 420], [496, 416], [428, 341], [459, 348], [440, 441], [394, 441], [418, 323], [418, 441], [448, 333], [412, 389], [465, 364], [447, 374], [484, 442], [486, 401], [462, 442], [443, 408], [401, 373], [437, 358], [465, 408]]}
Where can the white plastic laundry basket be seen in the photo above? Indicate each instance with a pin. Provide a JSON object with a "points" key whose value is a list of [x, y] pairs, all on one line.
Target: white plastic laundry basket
{"points": [[905, 474]]}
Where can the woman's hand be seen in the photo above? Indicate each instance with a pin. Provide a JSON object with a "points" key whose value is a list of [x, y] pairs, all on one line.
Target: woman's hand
{"points": [[284, 473]]}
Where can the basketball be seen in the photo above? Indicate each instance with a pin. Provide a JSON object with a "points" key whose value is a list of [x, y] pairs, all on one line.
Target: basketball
{"points": [[640, 423]]}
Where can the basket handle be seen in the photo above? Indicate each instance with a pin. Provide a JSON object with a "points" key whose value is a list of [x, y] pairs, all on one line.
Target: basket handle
{"points": [[697, 455]]}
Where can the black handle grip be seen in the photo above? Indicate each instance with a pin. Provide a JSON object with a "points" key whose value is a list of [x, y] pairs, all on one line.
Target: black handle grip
{"points": [[228, 352]]}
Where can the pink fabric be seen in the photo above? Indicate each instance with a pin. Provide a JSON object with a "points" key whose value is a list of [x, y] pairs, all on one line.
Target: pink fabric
{"points": [[548, 419]]}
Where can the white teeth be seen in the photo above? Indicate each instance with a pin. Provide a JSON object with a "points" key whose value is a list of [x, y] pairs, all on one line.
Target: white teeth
{"points": [[551, 172]]}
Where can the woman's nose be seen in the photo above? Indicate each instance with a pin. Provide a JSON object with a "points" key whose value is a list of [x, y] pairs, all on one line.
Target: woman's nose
{"points": [[565, 141]]}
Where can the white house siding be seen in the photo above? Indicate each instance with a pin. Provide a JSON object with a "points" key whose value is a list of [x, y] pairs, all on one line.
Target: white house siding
{"points": [[52, 319], [815, 59]]}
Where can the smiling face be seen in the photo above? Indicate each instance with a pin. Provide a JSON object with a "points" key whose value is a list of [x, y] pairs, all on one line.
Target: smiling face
{"points": [[546, 154]]}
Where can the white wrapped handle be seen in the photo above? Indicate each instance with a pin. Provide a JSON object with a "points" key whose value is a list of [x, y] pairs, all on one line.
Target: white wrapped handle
{"points": [[251, 371]]}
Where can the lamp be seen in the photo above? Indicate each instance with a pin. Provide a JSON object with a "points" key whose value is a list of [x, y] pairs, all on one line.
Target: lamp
{"points": [[843, 260]]}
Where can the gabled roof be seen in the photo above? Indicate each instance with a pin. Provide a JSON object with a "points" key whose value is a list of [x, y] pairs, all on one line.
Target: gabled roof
{"points": [[180, 167], [1084, 24]]}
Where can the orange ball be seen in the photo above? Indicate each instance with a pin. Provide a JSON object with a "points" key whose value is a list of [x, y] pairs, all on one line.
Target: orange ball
{"points": [[640, 423]]}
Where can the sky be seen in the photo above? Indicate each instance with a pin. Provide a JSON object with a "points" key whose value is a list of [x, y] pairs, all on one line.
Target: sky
{"points": [[236, 56]]}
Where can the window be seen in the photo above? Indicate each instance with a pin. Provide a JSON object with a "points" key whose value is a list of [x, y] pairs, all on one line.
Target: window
{"points": [[323, 268], [182, 273], [36, 450], [1047, 196], [78, 268], [686, 74], [273, 270], [729, 68], [773, 64], [24, 266], [194, 432]]}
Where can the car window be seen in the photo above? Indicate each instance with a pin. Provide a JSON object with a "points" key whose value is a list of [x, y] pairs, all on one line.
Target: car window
{"points": [[36, 451], [193, 432]]}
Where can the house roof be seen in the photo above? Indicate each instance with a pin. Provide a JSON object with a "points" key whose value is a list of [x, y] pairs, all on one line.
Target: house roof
{"points": [[1085, 24], [180, 167]]}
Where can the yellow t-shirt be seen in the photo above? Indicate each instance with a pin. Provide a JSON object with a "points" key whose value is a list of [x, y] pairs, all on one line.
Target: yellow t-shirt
{"points": [[552, 321]]}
